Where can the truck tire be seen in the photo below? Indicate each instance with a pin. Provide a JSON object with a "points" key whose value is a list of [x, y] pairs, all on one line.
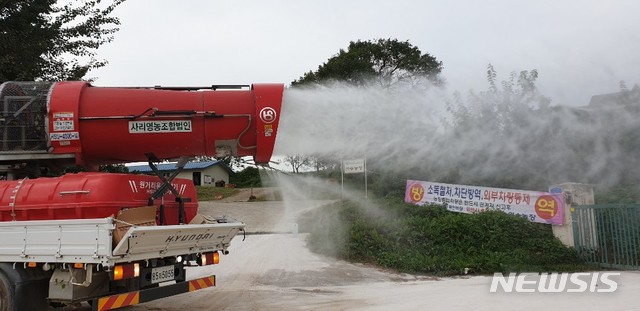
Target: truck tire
{"points": [[22, 289], [7, 293]]}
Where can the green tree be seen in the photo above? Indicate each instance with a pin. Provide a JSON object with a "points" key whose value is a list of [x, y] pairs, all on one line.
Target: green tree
{"points": [[248, 177], [498, 110], [384, 62], [509, 135], [43, 39]]}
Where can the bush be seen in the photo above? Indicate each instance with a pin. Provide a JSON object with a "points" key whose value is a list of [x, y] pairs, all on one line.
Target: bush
{"points": [[433, 240], [249, 177], [623, 193]]}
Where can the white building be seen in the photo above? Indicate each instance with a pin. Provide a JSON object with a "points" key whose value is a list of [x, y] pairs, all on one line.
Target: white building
{"points": [[205, 173]]}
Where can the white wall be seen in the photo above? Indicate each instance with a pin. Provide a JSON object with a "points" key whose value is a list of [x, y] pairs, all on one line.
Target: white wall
{"points": [[216, 173]]}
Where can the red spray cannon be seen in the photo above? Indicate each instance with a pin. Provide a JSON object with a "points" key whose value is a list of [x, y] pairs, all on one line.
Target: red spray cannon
{"points": [[105, 125]]}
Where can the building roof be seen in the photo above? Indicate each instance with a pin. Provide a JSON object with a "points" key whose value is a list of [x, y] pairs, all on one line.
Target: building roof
{"points": [[619, 98], [190, 166]]}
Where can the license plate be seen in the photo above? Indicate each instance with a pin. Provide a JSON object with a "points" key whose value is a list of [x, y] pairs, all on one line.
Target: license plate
{"points": [[162, 274]]}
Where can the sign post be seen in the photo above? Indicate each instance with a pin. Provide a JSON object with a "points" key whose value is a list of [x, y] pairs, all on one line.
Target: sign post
{"points": [[353, 167]]}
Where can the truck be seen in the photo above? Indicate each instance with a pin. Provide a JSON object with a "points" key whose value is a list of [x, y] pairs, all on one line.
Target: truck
{"points": [[116, 239]]}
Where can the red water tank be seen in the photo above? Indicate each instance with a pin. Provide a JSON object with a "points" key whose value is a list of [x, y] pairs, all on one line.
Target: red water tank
{"points": [[89, 195]]}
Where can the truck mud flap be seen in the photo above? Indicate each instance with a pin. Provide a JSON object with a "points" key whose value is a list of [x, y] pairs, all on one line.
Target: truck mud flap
{"points": [[163, 241], [146, 295]]}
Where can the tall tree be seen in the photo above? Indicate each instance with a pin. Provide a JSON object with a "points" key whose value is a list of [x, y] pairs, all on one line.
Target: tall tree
{"points": [[499, 110], [297, 161], [42, 39], [386, 62]]}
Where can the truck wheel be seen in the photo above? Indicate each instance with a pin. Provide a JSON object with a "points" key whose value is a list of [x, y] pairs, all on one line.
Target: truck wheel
{"points": [[22, 289], [6, 293]]}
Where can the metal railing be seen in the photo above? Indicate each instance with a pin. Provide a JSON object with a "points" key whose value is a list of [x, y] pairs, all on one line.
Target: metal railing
{"points": [[608, 235]]}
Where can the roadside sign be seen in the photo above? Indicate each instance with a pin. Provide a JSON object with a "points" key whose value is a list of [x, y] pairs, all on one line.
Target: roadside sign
{"points": [[353, 166]]}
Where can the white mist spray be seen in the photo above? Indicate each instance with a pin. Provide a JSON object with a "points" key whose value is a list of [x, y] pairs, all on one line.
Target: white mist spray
{"points": [[489, 137], [354, 121], [424, 134]]}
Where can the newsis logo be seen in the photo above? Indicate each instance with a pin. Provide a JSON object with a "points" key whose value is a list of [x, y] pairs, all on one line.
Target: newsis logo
{"points": [[594, 282]]}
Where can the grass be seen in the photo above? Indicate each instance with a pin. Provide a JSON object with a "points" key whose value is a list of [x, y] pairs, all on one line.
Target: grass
{"points": [[214, 193], [432, 240]]}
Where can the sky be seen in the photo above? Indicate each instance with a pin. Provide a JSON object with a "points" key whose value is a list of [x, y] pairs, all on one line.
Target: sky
{"points": [[579, 47]]}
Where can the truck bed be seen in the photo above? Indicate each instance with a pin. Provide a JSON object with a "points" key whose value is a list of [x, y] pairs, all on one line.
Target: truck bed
{"points": [[91, 241]]}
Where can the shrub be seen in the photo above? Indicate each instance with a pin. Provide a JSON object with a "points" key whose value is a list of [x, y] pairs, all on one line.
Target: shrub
{"points": [[433, 240]]}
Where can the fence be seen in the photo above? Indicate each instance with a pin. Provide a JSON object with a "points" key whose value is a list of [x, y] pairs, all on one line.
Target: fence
{"points": [[608, 235]]}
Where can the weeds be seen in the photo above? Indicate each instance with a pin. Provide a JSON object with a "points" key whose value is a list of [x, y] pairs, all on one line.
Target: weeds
{"points": [[214, 193], [432, 240]]}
